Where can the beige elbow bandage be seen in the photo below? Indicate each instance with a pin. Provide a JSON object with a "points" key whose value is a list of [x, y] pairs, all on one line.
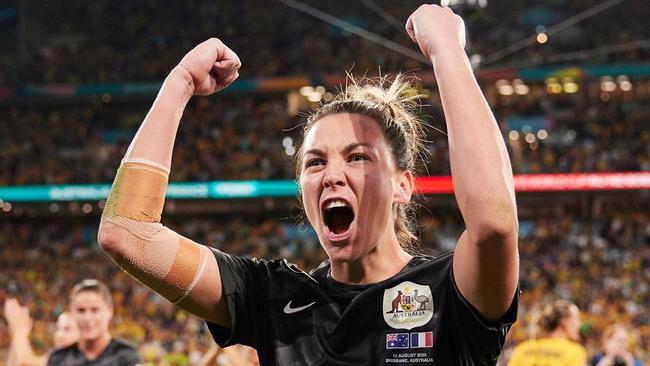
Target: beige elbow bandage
{"points": [[166, 262]]}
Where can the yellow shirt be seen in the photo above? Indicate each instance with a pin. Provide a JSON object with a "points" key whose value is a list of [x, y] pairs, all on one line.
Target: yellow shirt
{"points": [[548, 352]]}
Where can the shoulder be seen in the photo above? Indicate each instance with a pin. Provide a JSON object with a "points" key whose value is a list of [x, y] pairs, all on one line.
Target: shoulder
{"points": [[258, 275], [571, 345], [122, 344], [423, 259], [59, 354], [123, 348], [240, 267], [524, 345], [522, 348], [435, 270], [578, 350], [250, 263], [569, 348]]}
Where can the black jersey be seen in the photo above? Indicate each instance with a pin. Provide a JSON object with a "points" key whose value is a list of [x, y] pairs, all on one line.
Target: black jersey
{"points": [[417, 317], [117, 353]]}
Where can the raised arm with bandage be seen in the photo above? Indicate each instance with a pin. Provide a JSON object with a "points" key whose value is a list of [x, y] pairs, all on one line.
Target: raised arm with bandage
{"points": [[182, 271]]}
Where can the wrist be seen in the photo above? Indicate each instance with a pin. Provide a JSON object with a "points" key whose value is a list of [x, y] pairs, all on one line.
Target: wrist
{"points": [[180, 80], [19, 333], [451, 51]]}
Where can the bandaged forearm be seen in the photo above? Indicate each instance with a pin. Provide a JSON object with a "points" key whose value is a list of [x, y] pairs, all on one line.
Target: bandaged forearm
{"points": [[161, 259]]}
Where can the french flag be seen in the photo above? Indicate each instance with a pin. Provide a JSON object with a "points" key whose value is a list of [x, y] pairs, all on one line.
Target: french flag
{"points": [[422, 340]]}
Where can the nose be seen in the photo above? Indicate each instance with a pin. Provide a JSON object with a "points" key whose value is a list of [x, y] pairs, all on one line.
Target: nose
{"points": [[334, 175]]}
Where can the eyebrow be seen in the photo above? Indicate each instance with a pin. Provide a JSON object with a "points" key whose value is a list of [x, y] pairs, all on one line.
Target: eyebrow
{"points": [[346, 150]]}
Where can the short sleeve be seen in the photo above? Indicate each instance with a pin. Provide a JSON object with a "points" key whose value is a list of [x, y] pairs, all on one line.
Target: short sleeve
{"points": [[245, 289], [484, 339]]}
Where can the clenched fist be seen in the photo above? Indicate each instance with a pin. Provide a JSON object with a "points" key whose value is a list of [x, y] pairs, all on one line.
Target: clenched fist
{"points": [[436, 29], [211, 66], [17, 316]]}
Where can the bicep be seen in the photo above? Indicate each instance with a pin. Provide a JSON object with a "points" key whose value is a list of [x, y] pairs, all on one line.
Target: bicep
{"points": [[206, 300], [486, 273]]}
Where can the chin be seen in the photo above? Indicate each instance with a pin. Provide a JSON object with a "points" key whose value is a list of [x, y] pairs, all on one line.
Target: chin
{"points": [[346, 251], [345, 254]]}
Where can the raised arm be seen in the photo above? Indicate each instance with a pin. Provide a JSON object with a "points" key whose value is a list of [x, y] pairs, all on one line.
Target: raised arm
{"points": [[179, 269], [20, 326], [486, 261]]}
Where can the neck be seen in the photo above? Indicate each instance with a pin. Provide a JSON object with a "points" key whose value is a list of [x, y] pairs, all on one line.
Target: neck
{"points": [[382, 262], [92, 348], [559, 333]]}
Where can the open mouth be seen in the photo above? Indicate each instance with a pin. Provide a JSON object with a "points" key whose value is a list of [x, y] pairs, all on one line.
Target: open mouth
{"points": [[338, 216]]}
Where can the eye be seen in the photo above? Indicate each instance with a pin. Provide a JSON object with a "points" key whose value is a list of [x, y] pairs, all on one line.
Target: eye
{"points": [[314, 162], [358, 157]]}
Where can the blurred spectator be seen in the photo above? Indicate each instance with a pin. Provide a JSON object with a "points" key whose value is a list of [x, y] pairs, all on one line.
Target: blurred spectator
{"points": [[254, 137], [20, 327], [559, 325], [82, 43], [615, 348]]}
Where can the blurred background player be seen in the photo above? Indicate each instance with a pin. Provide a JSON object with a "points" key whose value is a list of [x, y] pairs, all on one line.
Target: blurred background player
{"points": [[91, 306], [20, 327], [616, 348], [557, 344]]}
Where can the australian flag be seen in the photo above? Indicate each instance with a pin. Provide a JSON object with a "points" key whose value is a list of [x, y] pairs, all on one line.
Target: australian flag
{"points": [[397, 340]]}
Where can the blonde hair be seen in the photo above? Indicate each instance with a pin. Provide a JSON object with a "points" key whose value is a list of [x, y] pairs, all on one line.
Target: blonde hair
{"points": [[394, 105], [93, 285], [553, 314]]}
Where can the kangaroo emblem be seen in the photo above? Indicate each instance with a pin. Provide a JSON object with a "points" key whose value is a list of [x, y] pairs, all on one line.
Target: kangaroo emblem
{"points": [[395, 303]]}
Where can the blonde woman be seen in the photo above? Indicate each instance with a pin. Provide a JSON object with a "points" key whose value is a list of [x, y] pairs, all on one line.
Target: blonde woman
{"points": [[558, 341]]}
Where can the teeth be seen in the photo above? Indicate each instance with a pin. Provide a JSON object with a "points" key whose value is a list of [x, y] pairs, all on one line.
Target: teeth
{"points": [[336, 203]]}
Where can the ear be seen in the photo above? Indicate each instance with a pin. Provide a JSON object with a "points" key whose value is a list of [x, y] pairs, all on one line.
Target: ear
{"points": [[404, 185]]}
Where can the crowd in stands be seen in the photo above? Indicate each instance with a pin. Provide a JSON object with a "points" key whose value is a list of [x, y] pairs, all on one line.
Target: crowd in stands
{"points": [[41, 266], [601, 263], [82, 43], [245, 137]]}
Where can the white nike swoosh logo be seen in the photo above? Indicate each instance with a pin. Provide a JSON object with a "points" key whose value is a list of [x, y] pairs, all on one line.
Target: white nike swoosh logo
{"points": [[289, 310]]}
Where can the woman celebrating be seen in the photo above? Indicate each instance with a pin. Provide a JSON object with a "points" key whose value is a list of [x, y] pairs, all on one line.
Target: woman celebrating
{"points": [[372, 302]]}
